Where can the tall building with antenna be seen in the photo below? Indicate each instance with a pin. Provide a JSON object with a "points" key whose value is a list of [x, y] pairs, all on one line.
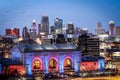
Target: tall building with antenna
{"points": [[111, 28], [34, 26], [33, 33]]}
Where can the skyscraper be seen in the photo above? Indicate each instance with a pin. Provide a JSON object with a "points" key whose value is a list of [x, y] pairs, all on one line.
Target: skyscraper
{"points": [[99, 29], [25, 33], [52, 29], [33, 26], [58, 25], [33, 34], [111, 28], [117, 31], [70, 28], [44, 28]]}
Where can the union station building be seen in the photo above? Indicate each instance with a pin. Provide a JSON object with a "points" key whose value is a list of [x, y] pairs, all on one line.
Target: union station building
{"points": [[48, 58]]}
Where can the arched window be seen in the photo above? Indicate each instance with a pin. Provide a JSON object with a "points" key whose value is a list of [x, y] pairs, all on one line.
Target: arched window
{"points": [[36, 64], [52, 63], [67, 63]]}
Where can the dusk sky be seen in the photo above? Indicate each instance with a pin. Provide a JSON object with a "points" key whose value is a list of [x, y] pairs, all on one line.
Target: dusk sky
{"points": [[83, 13]]}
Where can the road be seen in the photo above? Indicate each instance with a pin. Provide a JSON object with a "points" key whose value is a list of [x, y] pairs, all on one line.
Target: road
{"points": [[98, 78]]}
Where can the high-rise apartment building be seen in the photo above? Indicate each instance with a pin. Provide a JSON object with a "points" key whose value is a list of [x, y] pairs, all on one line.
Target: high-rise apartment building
{"points": [[44, 27], [58, 25]]}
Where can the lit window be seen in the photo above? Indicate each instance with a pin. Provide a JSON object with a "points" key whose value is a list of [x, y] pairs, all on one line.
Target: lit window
{"points": [[52, 63], [67, 63], [36, 64]]}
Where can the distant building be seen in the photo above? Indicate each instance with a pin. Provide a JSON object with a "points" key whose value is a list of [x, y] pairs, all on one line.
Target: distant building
{"points": [[34, 26], [117, 31], [64, 29], [39, 27], [77, 30], [84, 31], [58, 25], [70, 28], [33, 33], [44, 27], [13, 31], [25, 33], [52, 29], [99, 29], [111, 28]]}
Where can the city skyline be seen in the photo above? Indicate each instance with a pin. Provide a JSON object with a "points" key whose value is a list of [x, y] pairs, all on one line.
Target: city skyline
{"points": [[83, 13]]}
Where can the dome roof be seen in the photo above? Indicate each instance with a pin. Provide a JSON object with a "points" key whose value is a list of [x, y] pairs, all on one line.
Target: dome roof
{"points": [[33, 21], [111, 22]]}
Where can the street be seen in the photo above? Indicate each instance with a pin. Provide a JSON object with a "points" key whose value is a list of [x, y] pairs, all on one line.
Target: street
{"points": [[98, 78]]}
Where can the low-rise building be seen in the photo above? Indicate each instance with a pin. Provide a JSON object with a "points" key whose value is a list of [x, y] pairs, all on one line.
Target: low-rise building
{"points": [[92, 63]]}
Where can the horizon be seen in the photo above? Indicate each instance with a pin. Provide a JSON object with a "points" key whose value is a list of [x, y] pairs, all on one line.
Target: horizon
{"points": [[82, 13]]}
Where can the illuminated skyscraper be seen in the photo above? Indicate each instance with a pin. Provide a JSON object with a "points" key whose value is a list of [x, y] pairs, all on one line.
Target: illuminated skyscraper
{"points": [[44, 27], [58, 25], [33, 34], [111, 28], [34, 26]]}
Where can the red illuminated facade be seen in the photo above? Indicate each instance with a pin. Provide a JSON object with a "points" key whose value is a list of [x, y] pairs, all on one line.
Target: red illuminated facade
{"points": [[14, 31], [92, 63], [14, 69], [88, 66]]}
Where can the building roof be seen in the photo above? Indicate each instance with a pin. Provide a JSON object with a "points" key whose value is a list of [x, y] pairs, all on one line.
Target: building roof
{"points": [[91, 58], [46, 47]]}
